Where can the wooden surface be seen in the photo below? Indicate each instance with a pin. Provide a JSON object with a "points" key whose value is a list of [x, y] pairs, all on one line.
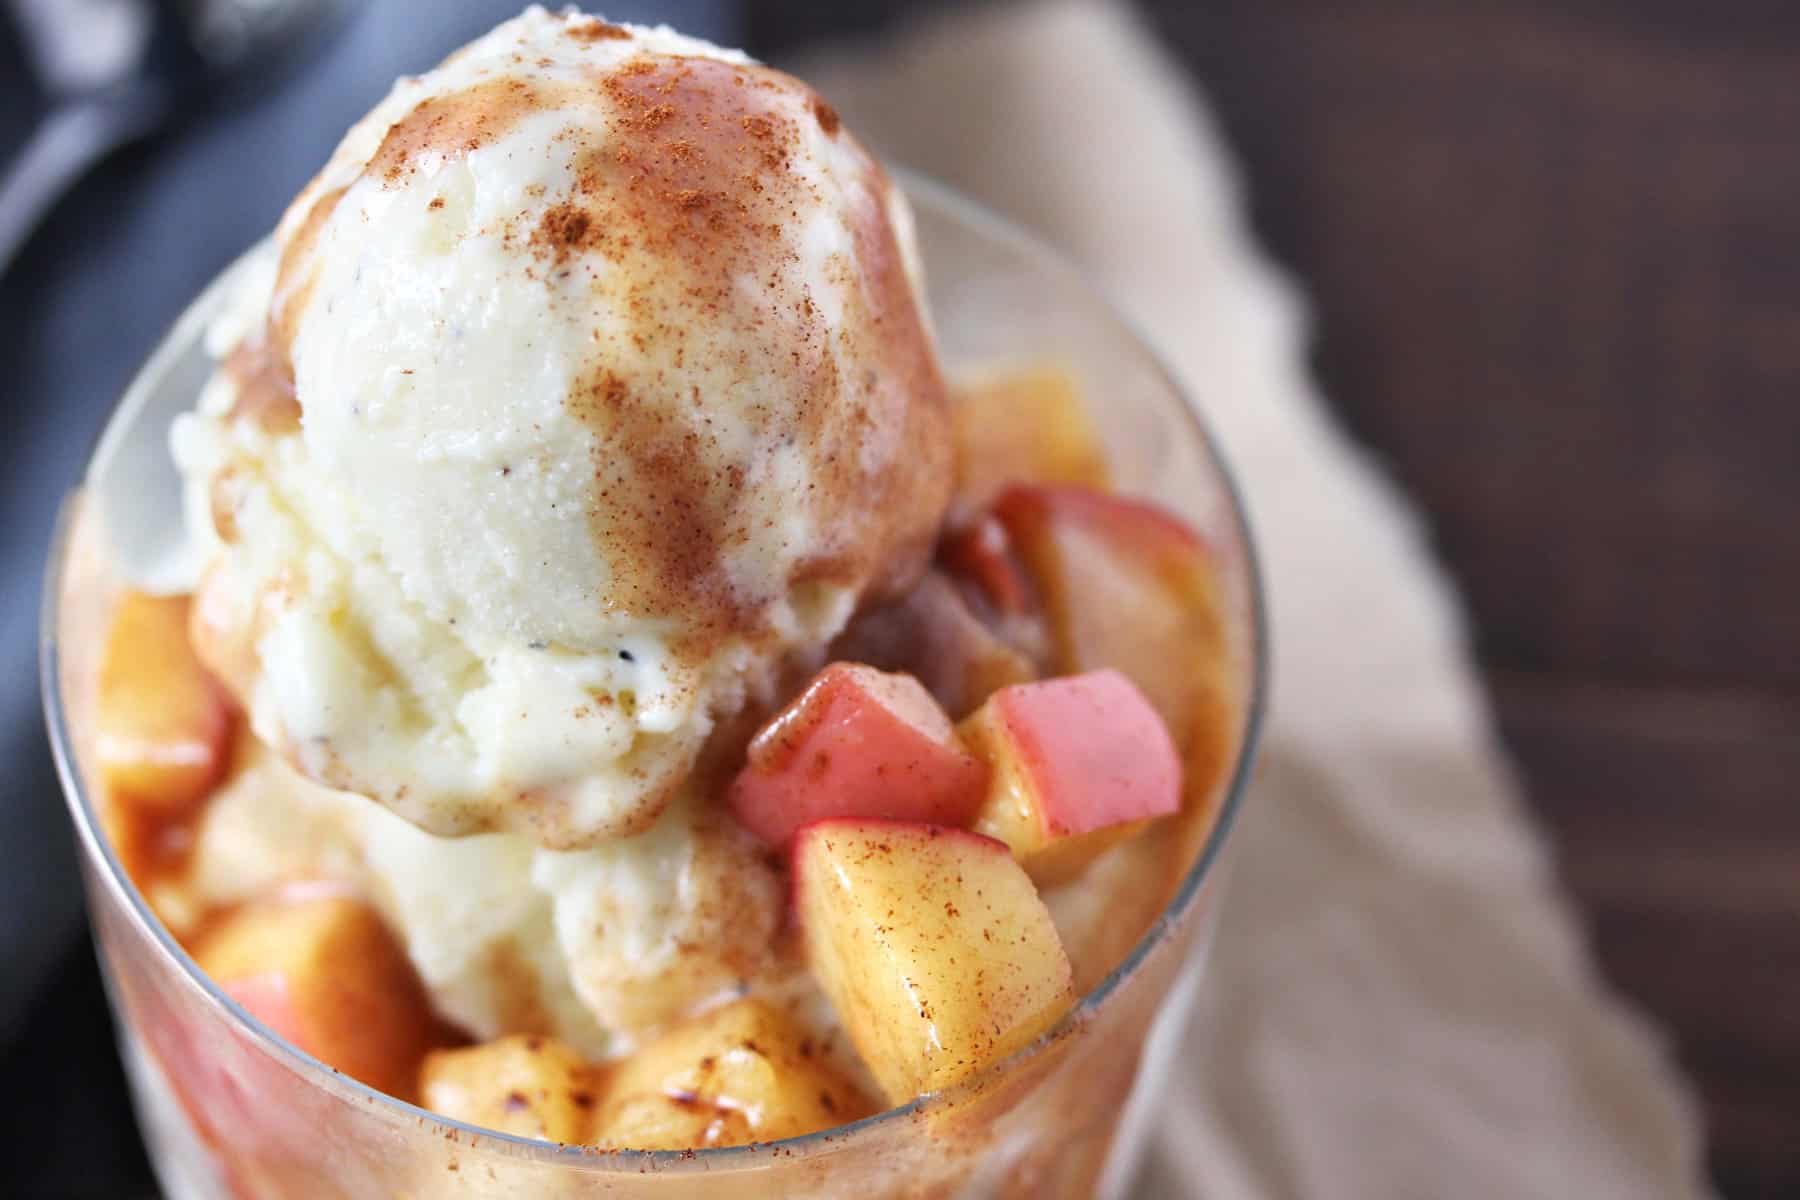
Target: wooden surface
{"points": [[1555, 253]]}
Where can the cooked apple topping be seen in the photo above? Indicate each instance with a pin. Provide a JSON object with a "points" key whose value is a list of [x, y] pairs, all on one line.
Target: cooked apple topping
{"points": [[971, 807]]}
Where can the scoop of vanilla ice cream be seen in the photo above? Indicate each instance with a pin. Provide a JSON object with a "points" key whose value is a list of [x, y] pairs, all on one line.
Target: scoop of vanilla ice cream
{"points": [[588, 386], [596, 947], [654, 926], [480, 935]]}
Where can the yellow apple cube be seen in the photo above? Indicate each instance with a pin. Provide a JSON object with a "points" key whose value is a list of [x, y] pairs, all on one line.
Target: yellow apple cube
{"points": [[523, 1084], [324, 972], [740, 1073], [932, 944], [1025, 425], [162, 725]]}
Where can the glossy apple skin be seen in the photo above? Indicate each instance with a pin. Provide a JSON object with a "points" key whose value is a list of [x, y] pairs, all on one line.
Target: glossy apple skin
{"points": [[1126, 585], [522, 1084], [980, 554], [1024, 425], [162, 726], [322, 971], [856, 743], [931, 943], [740, 1073], [1076, 764]]}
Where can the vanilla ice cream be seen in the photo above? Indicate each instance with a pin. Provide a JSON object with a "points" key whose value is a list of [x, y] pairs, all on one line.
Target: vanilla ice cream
{"points": [[596, 947], [588, 387]]}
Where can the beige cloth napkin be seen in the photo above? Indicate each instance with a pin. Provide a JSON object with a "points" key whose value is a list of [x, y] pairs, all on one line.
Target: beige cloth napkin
{"points": [[1399, 1002]]}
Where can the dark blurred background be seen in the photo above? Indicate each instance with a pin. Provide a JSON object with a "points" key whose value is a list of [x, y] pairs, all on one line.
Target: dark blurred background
{"points": [[1554, 250]]}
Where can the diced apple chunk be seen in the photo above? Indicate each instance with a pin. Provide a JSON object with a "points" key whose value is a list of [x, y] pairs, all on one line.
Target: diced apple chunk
{"points": [[1129, 586], [653, 1121], [740, 1073], [1023, 426], [1076, 764], [932, 945], [981, 553], [522, 1084], [932, 635], [162, 724], [857, 743], [324, 973]]}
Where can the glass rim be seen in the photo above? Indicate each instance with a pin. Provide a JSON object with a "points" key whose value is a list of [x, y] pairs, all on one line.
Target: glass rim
{"points": [[989, 225]]}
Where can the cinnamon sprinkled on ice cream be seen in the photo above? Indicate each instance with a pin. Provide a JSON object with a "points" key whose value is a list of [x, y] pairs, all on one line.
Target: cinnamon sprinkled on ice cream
{"points": [[591, 386]]}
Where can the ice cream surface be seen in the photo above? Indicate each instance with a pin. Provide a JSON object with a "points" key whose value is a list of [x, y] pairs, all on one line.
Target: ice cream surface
{"points": [[592, 946], [587, 388]]}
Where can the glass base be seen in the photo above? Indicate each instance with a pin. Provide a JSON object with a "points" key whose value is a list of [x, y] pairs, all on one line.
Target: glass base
{"points": [[184, 1167]]}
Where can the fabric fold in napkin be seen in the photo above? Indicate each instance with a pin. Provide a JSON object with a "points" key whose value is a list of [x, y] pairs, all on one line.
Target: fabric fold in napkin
{"points": [[1399, 1003]]}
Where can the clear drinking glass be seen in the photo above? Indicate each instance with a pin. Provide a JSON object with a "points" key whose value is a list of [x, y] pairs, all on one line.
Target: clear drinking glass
{"points": [[229, 1109]]}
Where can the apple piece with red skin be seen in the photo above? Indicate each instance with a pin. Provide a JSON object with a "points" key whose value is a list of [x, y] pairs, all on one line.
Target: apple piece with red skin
{"points": [[320, 969], [1077, 764], [931, 943], [980, 552], [1126, 585], [162, 726], [857, 742]]}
